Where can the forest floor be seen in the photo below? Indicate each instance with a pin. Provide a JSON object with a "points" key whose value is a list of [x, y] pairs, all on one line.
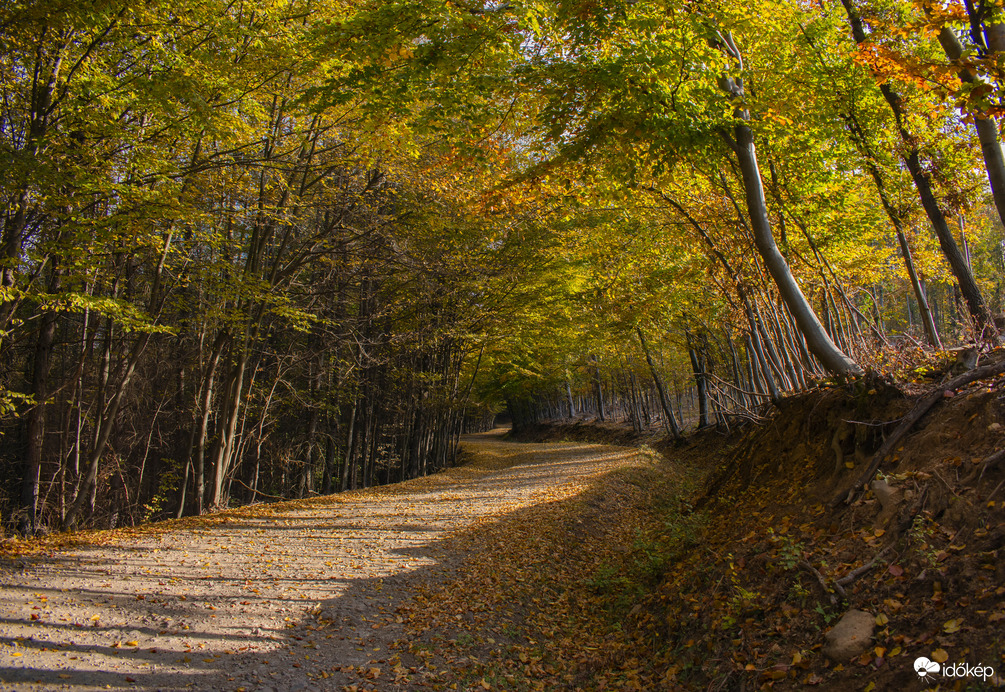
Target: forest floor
{"points": [[727, 561]]}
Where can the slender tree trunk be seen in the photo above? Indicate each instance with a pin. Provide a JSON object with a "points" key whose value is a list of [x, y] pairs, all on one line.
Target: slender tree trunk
{"points": [[205, 407], [599, 390], [569, 399], [742, 142], [978, 309], [226, 445], [349, 445], [36, 415], [986, 125], [698, 366], [671, 421], [859, 136], [104, 430]]}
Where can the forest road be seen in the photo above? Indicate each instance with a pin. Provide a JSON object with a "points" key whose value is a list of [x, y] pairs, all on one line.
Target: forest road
{"points": [[290, 596]]}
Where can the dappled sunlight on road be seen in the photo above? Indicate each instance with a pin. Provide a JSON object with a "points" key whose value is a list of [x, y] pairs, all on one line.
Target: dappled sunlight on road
{"points": [[218, 599]]}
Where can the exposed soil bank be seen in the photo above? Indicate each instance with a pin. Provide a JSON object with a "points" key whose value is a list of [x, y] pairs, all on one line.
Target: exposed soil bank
{"points": [[742, 593]]}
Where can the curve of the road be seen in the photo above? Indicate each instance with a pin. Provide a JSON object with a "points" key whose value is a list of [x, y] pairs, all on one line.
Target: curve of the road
{"points": [[273, 597]]}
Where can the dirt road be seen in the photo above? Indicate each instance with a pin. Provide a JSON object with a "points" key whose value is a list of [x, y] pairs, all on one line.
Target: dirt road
{"points": [[274, 597]]}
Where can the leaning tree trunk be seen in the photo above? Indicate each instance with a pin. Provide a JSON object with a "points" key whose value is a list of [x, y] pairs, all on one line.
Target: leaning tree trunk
{"points": [[986, 126], [859, 136], [664, 402], [976, 306], [104, 430], [742, 142], [817, 339]]}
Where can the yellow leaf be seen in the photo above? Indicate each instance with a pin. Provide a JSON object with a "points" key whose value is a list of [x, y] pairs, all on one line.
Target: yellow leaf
{"points": [[95, 618], [951, 626], [882, 619], [132, 642], [17, 653], [940, 655]]}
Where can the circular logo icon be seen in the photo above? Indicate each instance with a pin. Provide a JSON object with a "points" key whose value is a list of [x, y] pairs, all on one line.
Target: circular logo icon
{"points": [[923, 667]]}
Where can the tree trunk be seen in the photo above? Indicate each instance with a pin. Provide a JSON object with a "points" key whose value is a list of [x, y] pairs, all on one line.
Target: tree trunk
{"points": [[36, 416], [859, 136], [742, 143], [978, 309], [817, 339], [671, 421], [599, 390], [698, 366], [986, 126], [225, 446], [104, 430], [202, 433]]}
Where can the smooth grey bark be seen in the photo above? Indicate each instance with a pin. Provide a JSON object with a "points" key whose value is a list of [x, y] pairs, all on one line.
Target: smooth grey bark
{"points": [[976, 306], [569, 400], [742, 143], [225, 447], [817, 339], [986, 126]]}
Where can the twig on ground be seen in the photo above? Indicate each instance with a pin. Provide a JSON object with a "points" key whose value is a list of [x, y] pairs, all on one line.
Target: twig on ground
{"points": [[823, 582], [945, 482], [859, 571], [992, 494], [992, 460]]}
